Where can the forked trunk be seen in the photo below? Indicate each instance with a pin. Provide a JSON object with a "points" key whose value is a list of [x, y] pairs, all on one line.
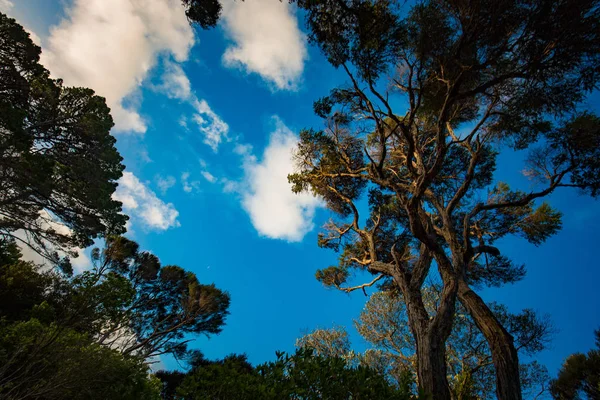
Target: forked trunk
{"points": [[504, 354]]}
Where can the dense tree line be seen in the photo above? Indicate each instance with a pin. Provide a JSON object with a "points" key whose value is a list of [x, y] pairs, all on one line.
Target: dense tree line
{"points": [[302, 375]]}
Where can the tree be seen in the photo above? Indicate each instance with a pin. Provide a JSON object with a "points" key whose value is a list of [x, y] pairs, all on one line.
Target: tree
{"points": [[476, 78], [205, 13], [333, 342], [579, 375], [45, 350], [64, 336], [140, 307], [301, 375], [58, 162], [383, 325]]}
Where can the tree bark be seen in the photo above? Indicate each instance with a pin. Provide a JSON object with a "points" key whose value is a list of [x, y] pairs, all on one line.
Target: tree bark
{"points": [[431, 366], [430, 339], [504, 353]]}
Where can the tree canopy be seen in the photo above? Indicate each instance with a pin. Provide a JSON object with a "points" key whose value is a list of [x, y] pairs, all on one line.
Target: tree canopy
{"points": [[579, 375], [63, 336], [301, 375], [58, 161]]}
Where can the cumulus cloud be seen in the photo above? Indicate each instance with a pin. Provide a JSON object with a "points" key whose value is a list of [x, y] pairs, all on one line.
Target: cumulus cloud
{"points": [[210, 124], [34, 37], [80, 263], [143, 206], [110, 45], [274, 210], [266, 40]]}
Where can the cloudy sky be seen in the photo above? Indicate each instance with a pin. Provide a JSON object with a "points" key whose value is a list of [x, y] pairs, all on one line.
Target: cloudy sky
{"points": [[206, 122]]}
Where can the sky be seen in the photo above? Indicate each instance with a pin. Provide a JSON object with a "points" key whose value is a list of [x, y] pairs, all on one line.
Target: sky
{"points": [[206, 122]]}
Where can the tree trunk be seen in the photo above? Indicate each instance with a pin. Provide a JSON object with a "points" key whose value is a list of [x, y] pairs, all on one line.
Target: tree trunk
{"points": [[431, 366], [504, 354], [430, 341]]}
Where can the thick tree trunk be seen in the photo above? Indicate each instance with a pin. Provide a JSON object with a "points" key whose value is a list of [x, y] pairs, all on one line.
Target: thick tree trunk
{"points": [[430, 340], [504, 354], [431, 366]]}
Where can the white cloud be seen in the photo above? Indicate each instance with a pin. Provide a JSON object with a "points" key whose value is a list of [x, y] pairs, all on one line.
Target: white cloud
{"points": [[267, 40], [188, 185], [175, 83], [230, 186], [210, 124], [34, 37], [165, 183], [6, 6], [82, 262], [143, 206], [243, 149], [144, 156], [110, 45], [47, 221], [274, 210], [209, 177]]}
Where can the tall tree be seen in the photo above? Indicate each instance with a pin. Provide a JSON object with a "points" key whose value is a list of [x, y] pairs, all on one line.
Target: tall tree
{"points": [[58, 162], [467, 80], [332, 342]]}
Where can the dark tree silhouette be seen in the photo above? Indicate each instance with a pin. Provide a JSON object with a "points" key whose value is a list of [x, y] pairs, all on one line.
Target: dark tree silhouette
{"points": [[205, 13]]}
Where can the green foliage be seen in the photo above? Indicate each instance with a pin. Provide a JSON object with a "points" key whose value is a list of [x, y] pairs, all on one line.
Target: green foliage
{"points": [[48, 361], [128, 293], [332, 342], [58, 161], [577, 144], [301, 375], [89, 336], [383, 324], [47, 347], [579, 375]]}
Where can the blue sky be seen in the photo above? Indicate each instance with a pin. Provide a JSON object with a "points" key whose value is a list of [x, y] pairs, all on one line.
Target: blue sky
{"points": [[205, 121]]}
